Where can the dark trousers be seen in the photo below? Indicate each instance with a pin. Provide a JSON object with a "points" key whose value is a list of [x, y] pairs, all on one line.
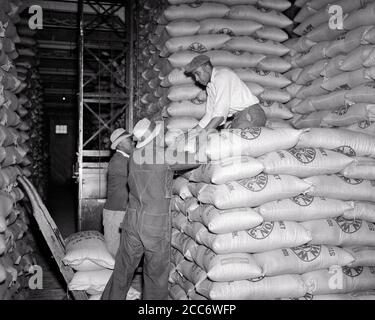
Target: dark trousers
{"points": [[148, 235], [253, 116]]}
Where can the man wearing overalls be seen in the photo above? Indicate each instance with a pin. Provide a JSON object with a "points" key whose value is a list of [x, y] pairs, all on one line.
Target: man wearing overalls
{"points": [[146, 229]]}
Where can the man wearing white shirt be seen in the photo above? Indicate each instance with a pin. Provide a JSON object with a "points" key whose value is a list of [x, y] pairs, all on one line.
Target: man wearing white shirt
{"points": [[117, 188], [228, 97]]}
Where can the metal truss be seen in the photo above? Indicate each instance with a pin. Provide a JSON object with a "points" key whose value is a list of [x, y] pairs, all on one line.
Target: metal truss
{"points": [[106, 90]]}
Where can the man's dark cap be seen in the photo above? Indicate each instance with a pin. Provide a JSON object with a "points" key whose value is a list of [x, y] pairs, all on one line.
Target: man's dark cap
{"points": [[196, 63]]}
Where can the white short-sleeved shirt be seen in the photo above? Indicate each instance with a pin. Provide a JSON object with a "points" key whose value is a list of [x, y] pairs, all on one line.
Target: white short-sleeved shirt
{"points": [[227, 94]]}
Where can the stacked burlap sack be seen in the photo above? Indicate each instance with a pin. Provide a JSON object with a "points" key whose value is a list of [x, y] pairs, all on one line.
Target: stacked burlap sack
{"points": [[87, 254], [16, 243], [273, 216], [333, 69], [245, 36]]}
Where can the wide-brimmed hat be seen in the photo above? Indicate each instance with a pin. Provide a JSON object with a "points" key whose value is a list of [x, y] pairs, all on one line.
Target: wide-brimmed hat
{"points": [[196, 63], [145, 131], [118, 136]]}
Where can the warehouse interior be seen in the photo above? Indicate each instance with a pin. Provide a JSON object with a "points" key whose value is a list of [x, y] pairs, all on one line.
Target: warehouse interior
{"points": [[290, 202]]}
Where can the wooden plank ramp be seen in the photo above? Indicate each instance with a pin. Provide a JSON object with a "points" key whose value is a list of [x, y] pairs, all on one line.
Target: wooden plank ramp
{"points": [[51, 235]]}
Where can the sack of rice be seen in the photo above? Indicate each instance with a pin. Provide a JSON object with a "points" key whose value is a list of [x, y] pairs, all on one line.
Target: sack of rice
{"points": [[181, 123], [218, 58], [224, 221], [180, 188], [293, 74], [352, 144], [276, 95], [370, 60], [312, 72], [350, 114], [317, 52], [182, 28], [366, 127], [361, 168], [268, 47], [276, 110], [269, 79], [272, 33], [183, 243], [255, 88], [301, 259], [192, 272], [333, 67], [341, 232], [361, 17], [342, 188], [262, 15], [176, 256], [186, 92], [303, 208], [199, 43], [364, 256], [352, 79], [299, 45], [93, 282], [267, 236], [364, 93], [339, 280], [196, 11], [252, 142], [178, 220], [361, 211], [277, 124], [304, 162], [177, 293], [186, 108], [171, 137], [274, 63], [313, 88], [226, 170], [175, 78], [265, 288], [354, 60], [230, 27], [251, 192], [227, 267], [178, 279], [309, 120], [86, 251]]}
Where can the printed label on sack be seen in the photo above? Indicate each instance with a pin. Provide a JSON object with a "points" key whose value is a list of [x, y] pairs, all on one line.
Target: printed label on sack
{"points": [[303, 200], [307, 253], [342, 110], [372, 270], [353, 182], [261, 232], [303, 155], [197, 47], [364, 124], [346, 150], [255, 184], [195, 4], [249, 133], [349, 225], [226, 31], [352, 272]]}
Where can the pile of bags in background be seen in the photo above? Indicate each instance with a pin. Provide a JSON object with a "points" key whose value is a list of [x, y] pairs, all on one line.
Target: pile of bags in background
{"points": [[16, 242], [273, 215], [87, 254], [246, 36]]}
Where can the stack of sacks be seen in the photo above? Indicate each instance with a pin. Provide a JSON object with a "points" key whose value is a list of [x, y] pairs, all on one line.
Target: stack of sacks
{"points": [[16, 253], [245, 36], [217, 230], [31, 109], [354, 229], [87, 254], [147, 77], [275, 206], [333, 70]]}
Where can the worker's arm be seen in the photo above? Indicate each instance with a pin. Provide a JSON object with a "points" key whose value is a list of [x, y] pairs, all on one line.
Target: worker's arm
{"points": [[213, 124]]}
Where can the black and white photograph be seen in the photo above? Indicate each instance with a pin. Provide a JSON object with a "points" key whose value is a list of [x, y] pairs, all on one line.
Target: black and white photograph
{"points": [[181, 157]]}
